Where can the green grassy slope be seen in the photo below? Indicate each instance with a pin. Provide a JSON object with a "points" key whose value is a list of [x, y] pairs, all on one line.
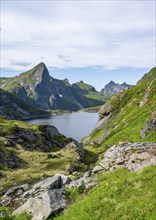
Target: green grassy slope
{"points": [[128, 114], [120, 195], [29, 161], [88, 94]]}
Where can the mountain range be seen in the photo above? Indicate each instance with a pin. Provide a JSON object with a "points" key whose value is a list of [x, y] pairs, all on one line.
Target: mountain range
{"points": [[38, 89], [112, 87]]}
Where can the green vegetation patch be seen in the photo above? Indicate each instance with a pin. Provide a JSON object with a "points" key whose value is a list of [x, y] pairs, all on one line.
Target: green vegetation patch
{"points": [[120, 195], [6, 214]]}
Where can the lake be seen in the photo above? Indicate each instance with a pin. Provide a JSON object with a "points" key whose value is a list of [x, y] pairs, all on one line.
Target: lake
{"points": [[76, 125]]}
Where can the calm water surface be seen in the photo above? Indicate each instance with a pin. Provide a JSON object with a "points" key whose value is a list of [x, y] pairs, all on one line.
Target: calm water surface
{"points": [[76, 125]]}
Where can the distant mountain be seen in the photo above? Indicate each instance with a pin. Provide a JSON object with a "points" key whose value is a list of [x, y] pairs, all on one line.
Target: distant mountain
{"points": [[37, 88], [112, 87], [13, 107], [130, 116]]}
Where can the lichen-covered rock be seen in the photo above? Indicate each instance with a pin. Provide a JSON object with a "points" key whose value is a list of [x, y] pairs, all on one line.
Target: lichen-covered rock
{"points": [[44, 204], [76, 145], [132, 156], [149, 125], [42, 200], [10, 197]]}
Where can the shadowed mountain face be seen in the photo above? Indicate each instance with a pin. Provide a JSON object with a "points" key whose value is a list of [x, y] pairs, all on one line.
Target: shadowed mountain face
{"points": [[37, 88], [112, 87], [13, 107]]}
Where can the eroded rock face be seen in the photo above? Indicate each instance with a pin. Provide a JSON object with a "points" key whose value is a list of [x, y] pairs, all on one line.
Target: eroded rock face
{"points": [[132, 156], [149, 125], [44, 198], [44, 204], [11, 196]]}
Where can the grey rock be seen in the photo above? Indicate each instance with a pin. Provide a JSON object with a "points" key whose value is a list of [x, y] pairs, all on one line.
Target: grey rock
{"points": [[52, 131], [76, 183], [13, 193], [134, 156], [78, 147], [149, 125], [44, 198], [54, 182], [44, 204], [112, 87], [64, 179]]}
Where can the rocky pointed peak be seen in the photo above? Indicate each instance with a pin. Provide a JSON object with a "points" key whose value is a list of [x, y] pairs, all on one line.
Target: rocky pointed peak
{"points": [[41, 71], [125, 85], [41, 64], [112, 87]]}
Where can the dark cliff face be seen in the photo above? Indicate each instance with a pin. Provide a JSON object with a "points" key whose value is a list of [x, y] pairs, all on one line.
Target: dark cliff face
{"points": [[37, 88], [112, 87], [13, 107]]}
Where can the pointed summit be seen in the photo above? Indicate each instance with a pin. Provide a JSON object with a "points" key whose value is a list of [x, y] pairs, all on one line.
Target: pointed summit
{"points": [[111, 83], [41, 70], [112, 87]]}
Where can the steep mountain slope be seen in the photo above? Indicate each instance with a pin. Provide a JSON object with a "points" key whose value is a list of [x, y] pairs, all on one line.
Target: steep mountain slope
{"points": [[13, 107], [128, 116], [37, 88], [112, 87]]}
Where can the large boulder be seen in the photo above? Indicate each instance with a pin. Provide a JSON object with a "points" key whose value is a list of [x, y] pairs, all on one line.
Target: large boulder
{"points": [[40, 201], [44, 204], [51, 183]]}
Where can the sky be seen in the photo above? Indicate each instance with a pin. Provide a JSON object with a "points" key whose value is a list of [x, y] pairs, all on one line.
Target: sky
{"points": [[93, 41]]}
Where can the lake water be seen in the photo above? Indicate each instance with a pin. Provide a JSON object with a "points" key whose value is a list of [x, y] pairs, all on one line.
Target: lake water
{"points": [[76, 125]]}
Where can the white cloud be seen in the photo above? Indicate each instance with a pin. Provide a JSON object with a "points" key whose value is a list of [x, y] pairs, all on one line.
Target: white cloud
{"points": [[111, 34]]}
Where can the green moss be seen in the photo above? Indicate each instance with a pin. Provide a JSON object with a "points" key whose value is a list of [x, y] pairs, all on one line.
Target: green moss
{"points": [[6, 214], [73, 193]]}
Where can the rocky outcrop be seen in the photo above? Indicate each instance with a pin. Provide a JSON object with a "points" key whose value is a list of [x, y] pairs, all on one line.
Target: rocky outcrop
{"points": [[78, 147], [32, 140], [149, 125], [134, 156], [112, 87], [45, 198]]}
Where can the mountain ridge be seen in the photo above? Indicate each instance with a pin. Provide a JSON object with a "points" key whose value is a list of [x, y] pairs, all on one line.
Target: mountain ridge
{"points": [[37, 88], [112, 87]]}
